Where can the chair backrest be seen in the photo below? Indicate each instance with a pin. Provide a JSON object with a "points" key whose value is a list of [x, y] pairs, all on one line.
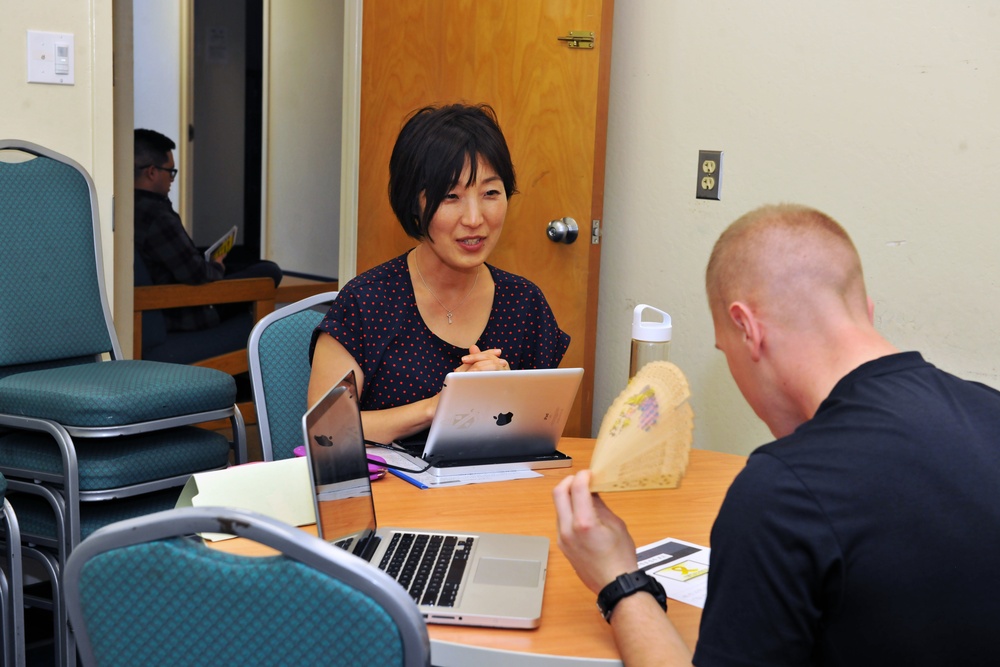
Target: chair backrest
{"points": [[139, 593], [278, 352], [53, 304]]}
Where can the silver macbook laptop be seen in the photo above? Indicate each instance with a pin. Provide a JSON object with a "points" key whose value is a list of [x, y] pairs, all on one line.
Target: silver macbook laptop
{"points": [[501, 420], [456, 578]]}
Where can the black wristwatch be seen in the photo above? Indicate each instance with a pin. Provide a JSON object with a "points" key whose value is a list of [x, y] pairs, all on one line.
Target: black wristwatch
{"points": [[625, 585]]}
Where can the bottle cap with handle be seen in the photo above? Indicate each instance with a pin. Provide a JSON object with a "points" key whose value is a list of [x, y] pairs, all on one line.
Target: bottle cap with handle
{"points": [[650, 339]]}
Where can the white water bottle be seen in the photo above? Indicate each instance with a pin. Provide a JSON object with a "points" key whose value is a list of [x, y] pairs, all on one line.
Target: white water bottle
{"points": [[650, 339]]}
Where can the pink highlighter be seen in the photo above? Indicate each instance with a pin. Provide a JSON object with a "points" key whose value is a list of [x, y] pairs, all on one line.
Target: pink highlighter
{"points": [[375, 471]]}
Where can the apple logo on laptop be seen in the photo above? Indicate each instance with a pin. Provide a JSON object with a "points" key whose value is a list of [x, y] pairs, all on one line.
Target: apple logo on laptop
{"points": [[504, 418]]}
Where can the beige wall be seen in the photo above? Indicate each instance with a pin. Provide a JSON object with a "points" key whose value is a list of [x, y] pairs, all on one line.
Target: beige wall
{"points": [[304, 71], [77, 120], [883, 114]]}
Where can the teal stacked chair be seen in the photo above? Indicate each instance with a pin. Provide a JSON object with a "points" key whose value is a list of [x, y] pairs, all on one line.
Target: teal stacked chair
{"points": [[278, 353], [144, 592], [86, 437], [11, 584]]}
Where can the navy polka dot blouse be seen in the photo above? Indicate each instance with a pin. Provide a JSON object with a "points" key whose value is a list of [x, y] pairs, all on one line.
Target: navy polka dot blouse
{"points": [[375, 318]]}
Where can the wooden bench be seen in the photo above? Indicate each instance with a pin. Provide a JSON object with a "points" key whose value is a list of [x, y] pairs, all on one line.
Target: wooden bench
{"points": [[259, 291], [295, 288]]}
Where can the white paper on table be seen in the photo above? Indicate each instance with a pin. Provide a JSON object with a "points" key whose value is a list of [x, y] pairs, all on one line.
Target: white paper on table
{"points": [[278, 489], [681, 567], [430, 481]]}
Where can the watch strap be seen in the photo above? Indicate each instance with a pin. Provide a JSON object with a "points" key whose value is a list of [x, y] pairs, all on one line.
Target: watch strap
{"points": [[628, 584]]}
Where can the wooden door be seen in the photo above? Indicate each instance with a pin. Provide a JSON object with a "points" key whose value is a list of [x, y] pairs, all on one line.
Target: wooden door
{"points": [[551, 101]]}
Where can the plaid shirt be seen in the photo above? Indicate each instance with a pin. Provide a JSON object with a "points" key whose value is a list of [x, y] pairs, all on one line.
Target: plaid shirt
{"points": [[171, 257]]}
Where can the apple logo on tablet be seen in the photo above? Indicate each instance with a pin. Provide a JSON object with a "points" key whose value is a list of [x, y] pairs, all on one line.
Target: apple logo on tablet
{"points": [[504, 418]]}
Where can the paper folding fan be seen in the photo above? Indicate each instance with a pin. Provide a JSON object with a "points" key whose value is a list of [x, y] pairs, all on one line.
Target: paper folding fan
{"points": [[646, 434]]}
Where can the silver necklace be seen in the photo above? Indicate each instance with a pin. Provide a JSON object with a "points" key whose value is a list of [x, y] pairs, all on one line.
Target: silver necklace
{"points": [[448, 311]]}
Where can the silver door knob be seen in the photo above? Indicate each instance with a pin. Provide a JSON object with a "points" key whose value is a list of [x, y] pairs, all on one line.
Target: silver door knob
{"points": [[562, 231]]}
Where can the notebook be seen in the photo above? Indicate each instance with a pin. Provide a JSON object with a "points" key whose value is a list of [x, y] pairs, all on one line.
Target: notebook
{"points": [[477, 578], [499, 420]]}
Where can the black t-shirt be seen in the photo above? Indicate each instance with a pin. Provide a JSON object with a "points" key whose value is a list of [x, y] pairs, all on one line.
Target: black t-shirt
{"points": [[869, 536]]}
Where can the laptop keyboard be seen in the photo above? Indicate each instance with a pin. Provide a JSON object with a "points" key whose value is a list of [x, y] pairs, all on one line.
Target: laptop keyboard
{"points": [[429, 567]]}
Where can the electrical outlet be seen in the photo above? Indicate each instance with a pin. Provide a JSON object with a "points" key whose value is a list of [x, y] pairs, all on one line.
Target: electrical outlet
{"points": [[709, 174]]}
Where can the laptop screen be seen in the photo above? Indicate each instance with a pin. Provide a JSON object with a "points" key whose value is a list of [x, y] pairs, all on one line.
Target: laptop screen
{"points": [[338, 468]]}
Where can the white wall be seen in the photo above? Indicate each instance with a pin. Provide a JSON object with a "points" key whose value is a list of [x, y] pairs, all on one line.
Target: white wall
{"points": [[304, 70], [156, 29], [882, 114], [76, 120]]}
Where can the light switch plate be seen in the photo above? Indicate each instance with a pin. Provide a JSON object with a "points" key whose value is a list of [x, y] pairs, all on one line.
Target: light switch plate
{"points": [[51, 58]]}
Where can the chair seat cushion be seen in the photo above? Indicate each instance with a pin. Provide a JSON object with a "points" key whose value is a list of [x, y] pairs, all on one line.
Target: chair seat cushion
{"points": [[38, 522], [115, 393], [112, 463]]}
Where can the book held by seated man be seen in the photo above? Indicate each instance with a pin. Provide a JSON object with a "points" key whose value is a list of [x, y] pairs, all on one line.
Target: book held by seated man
{"points": [[218, 250], [645, 436]]}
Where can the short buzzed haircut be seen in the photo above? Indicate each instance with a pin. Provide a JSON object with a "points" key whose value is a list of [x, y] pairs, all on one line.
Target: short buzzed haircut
{"points": [[151, 148], [778, 247]]}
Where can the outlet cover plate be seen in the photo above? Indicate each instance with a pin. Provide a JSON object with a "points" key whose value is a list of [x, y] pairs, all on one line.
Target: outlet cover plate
{"points": [[709, 175]]}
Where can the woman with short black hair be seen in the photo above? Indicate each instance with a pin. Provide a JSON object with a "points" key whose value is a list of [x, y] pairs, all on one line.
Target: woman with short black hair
{"points": [[402, 326]]}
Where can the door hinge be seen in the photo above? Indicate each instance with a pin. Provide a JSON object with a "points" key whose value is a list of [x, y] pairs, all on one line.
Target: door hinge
{"points": [[578, 39], [595, 232]]}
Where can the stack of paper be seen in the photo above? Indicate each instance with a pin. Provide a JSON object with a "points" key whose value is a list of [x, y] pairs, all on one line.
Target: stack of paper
{"points": [[646, 434]]}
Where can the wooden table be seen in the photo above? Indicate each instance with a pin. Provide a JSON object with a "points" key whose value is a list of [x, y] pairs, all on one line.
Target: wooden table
{"points": [[571, 626]]}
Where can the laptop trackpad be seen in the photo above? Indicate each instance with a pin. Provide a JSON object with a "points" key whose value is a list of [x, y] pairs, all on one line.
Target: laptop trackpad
{"points": [[507, 572]]}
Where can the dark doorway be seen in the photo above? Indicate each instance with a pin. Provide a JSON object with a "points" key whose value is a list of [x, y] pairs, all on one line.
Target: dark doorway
{"points": [[253, 129], [226, 132]]}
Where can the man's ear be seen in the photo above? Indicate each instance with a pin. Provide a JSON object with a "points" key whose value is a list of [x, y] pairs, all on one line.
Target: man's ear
{"points": [[749, 326]]}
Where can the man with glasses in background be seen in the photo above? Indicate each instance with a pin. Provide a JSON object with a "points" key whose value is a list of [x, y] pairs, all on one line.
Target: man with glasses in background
{"points": [[164, 246]]}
